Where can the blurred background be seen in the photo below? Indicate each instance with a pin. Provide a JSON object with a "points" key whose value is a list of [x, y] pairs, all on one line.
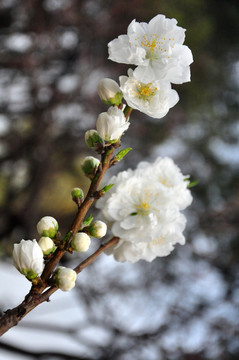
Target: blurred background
{"points": [[185, 306]]}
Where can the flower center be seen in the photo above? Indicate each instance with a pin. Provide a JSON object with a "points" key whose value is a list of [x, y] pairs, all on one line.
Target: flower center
{"points": [[158, 241], [145, 91], [143, 208], [155, 45]]}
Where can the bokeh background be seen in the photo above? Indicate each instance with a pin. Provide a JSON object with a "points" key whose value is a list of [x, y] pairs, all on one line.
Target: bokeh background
{"points": [[185, 306]]}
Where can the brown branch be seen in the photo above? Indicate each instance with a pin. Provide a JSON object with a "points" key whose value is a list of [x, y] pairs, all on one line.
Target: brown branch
{"points": [[92, 257], [33, 299], [82, 211], [36, 295]]}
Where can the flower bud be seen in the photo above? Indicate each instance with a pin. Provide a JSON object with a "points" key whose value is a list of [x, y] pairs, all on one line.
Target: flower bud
{"points": [[28, 258], [77, 194], [111, 124], [92, 138], [89, 165], [47, 226], [65, 278], [47, 245], [98, 229], [81, 242], [109, 92]]}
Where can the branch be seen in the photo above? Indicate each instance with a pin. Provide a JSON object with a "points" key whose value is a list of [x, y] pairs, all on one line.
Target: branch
{"points": [[37, 295], [33, 299]]}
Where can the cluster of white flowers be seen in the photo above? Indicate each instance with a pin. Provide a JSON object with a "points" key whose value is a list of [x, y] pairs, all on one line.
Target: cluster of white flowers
{"points": [[157, 51], [144, 207], [143, 210]]}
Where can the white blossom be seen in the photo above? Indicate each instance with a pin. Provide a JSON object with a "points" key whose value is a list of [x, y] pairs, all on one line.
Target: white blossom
{"points": [[143, 210], [47, 226], [112, 124], [81, 242], [156, 48], [65, 278], [154, 98], [28, 258]]}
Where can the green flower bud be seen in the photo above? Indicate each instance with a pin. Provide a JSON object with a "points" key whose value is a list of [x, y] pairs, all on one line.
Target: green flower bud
{"points": [[92, 138], [77, 193], [90, 164], [109, 92]]}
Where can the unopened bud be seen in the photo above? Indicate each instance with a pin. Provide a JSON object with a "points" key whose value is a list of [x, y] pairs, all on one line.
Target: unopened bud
{"points": [[93, 139], [111, 124], [81, 242], [65, 278], [47, 226], [109, 92], [47, 245], [98, 229], [89, 165], [28, 258], [77, 194]]}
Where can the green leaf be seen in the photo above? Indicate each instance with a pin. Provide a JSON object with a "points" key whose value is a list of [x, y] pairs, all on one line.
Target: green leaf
{"points": [[133, 214], [106, 188], [121, 154], [87, 221], [67, 237], [192, 184]]}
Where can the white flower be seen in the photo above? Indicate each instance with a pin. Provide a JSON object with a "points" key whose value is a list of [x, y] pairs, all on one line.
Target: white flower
{"points": [[158, 247], [143, 209], [47, 226], [112, 124], [98, 229], [81, 242], [28, 258], [47, 245], [154, 99], [65, 278], [157, 48], [109, 92], [169, 176]]}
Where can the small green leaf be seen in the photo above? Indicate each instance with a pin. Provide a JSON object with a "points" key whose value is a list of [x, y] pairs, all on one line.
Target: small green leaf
{"points": [[121, 154], [87, 221], [133, 214], [192, 184], [67, 237], [106, 188]]}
